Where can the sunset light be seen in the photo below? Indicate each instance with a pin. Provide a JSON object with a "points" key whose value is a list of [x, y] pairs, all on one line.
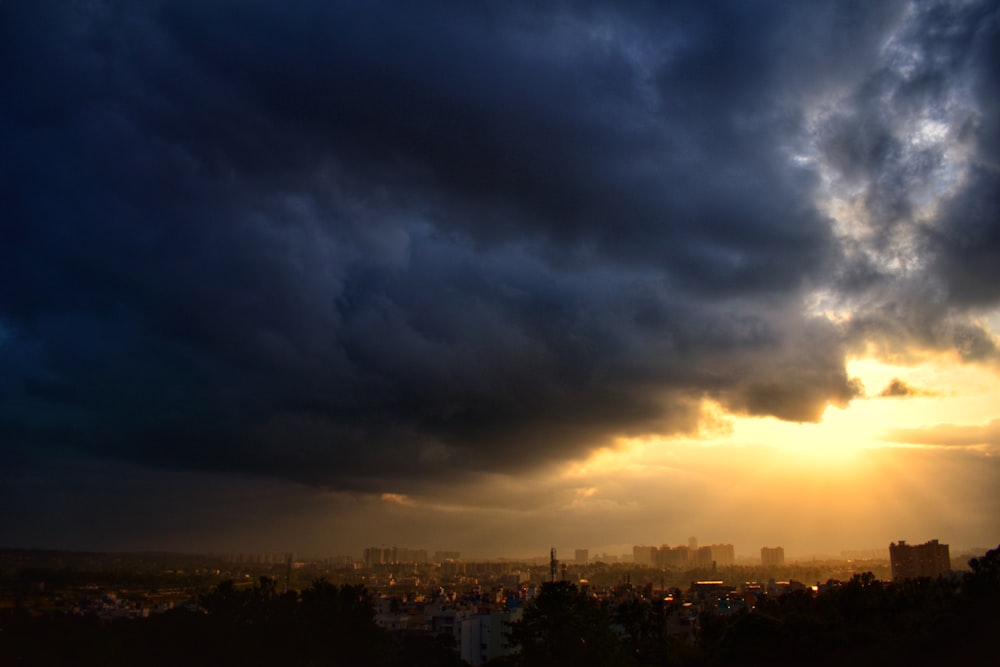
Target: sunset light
{"points": [[499, 279], [499, 334]]}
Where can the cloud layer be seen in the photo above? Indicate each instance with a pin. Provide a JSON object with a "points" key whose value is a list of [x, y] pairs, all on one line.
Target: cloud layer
{"points": [[950, 435], [373, 246]]}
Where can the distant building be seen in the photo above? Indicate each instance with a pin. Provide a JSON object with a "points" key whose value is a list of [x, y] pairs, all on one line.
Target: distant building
{"points": [[701, 557], [402, 555], [375, 556], [512, 580], [910, 561], [453, 568], [723, 554], [683, 557], [675, 557], [645, 556], [772, 556], [582, 556], [392, 555]]}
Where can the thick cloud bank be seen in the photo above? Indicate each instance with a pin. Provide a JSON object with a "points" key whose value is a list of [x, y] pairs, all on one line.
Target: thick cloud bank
{"points": [[378, 244]]}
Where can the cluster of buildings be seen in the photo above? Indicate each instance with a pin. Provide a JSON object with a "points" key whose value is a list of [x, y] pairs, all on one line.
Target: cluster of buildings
{"points": [[684, 556], [392, 555], [478, 622], [908, 561], [692, 556], [108, 606]]}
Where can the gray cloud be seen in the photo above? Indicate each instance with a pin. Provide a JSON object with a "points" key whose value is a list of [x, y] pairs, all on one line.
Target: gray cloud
{"points": [[899, 389]]}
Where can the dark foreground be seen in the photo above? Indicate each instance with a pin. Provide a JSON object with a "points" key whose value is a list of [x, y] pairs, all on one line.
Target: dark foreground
{"points": [[862, 622]]}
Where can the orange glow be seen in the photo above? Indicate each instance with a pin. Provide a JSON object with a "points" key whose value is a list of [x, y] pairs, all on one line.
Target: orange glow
{"points": [[832, 476]]}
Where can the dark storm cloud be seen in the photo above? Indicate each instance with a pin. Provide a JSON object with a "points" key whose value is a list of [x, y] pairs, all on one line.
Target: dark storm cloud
{"points": [[967, 244], [348, 243], [914, 150]]}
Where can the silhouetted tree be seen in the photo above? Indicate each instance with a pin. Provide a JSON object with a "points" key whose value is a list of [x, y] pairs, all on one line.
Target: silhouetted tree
{"points": [[427, 651], [563, 626], [644, 631], [337, 626]]}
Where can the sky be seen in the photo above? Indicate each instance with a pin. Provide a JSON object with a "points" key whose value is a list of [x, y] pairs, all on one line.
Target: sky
{"points": [[499, 276]]}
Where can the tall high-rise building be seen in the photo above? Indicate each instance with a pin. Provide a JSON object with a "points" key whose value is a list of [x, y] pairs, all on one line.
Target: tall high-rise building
{"points": [[723, 554], [701, 557], [375, 556], [772, 556], [644, 555], [674, 557], [581, 556], [910, 561]]}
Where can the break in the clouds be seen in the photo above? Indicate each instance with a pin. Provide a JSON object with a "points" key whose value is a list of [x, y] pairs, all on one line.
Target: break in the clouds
{"points": [[377, 245]]}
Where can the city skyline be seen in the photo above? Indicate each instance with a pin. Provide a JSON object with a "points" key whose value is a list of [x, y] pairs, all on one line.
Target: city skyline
{"points": [[497, 278]]}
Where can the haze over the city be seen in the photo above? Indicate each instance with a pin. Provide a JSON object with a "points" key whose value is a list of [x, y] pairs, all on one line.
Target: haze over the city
{"points": [[499, 276]]}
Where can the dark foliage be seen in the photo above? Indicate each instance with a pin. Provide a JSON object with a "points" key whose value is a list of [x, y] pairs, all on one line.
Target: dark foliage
{"points": [[867, 622], [861, 622], [249, 625], [564, 626]]}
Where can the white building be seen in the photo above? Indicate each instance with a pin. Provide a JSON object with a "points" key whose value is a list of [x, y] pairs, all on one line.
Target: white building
{"points": [[484, 637]]}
